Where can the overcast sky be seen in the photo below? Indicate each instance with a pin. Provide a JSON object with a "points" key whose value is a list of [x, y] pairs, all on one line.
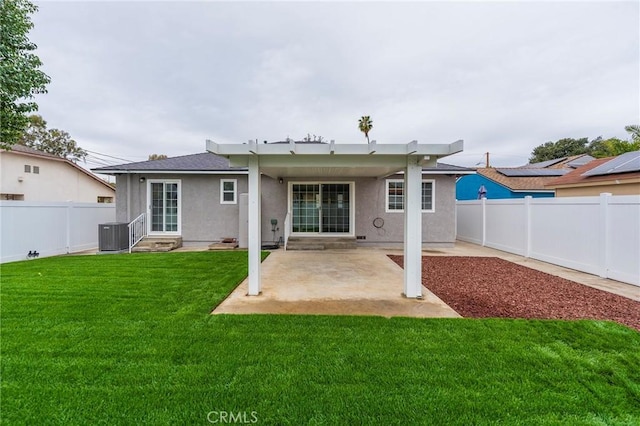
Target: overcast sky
{"points": [[129, 79]]}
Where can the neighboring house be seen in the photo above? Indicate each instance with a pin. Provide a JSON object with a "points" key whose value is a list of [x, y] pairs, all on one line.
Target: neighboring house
{"points": [[615, 175], [27, 174], [199, 197], [517, 182]]}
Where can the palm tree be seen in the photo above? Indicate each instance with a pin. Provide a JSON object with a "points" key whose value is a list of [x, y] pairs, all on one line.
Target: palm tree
{"points": [[634, 131], [365, 125]]}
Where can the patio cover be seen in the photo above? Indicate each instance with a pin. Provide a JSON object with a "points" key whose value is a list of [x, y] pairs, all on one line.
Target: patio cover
{"points": [[339, 160]]}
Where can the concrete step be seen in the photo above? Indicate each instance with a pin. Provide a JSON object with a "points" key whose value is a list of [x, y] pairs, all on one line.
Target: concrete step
{"points": [[321, 243], [157, 244]]}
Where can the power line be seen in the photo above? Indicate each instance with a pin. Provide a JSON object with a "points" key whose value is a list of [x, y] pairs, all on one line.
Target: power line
{"points": [[110, 156]]}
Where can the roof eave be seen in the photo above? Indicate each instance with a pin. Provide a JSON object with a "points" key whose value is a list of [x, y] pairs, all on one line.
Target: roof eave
{"points": [[114, 172]]}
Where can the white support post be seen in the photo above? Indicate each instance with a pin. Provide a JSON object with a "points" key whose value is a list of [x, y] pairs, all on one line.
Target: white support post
{"points": [[255, 232], [413, 228]]}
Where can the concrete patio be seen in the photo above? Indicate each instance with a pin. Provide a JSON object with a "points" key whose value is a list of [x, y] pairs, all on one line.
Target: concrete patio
{"points": [[335, 282]]}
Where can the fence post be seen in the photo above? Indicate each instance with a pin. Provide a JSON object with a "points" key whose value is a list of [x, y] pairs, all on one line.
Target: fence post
{"points": [[604, 235], [527, 226], [68, 209], [484, 221]]}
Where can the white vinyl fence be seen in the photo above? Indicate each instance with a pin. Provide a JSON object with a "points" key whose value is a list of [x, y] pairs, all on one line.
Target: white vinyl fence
{"points": [[50, 228], [597, 235]]}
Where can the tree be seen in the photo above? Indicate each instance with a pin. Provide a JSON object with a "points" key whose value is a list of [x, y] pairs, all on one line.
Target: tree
{"points": [[365, 125], [562, 148], [634, 131], [52, 141], [600, 148], [157, 157], [20, 76]]}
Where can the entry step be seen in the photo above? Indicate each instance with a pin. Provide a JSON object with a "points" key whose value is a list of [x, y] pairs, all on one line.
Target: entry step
{"points": [[321, 243]]}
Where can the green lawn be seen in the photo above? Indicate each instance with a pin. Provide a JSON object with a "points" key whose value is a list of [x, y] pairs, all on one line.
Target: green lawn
{"points": [[126, 339]]}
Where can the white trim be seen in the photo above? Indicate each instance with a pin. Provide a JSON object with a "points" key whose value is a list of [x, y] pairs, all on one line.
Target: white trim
{"points": [[352, 211], [235, 191], [433, 196], [175, 172], [179, 190], [386, 198]]}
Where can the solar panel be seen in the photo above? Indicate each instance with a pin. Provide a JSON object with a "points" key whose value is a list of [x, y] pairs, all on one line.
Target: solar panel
{"points": [[543, 164], [581, 161], [525, 172], [625, 163]]}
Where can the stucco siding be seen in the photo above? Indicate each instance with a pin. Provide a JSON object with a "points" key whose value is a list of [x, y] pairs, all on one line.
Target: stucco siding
{"points": [[438, 227], [204, 219], [274, 206], [590, 191], [55, 181]]}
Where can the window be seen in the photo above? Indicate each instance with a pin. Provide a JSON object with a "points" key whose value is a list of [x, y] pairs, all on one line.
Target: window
{"points": [[36, 170], [228, 191], [427, 195], [106, 200], [18, 197], [27, 168], [395, 195]]}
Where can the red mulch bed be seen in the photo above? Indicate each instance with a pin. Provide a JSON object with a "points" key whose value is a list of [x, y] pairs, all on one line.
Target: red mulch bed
{"points": [[483, 287]]}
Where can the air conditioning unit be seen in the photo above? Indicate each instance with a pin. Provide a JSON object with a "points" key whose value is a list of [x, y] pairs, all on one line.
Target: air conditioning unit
{"points": [[113, 236]]}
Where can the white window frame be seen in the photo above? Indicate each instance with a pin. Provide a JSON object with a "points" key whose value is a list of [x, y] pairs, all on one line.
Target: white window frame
{"points": [[433, 196], [386, 198], [149, 196], [235, 191]]}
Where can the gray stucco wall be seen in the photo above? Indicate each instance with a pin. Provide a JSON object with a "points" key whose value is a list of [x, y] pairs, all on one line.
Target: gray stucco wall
{"points": [[205, 220], [438, 227]]}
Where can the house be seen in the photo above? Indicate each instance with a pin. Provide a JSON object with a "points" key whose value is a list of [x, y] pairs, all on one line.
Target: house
{"points": [[371, 194], [199, 198], [615, 175], [27, 174], [517, 182]]}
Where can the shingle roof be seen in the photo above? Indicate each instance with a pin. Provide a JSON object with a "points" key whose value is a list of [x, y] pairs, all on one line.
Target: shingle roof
{"points": [[443, 167], [576, 176], [209, 162], [31, 151], [202, 162], [533, 183], [529, 183]]}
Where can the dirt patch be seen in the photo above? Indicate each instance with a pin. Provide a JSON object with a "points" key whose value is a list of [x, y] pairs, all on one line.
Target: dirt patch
{"points": [[483, 287]]}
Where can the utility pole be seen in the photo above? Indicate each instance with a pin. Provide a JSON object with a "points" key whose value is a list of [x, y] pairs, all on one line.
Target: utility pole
{"points": [[486, 164]]}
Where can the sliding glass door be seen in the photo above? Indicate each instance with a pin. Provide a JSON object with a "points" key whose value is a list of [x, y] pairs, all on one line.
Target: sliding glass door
{"points": [[321, 208]]}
